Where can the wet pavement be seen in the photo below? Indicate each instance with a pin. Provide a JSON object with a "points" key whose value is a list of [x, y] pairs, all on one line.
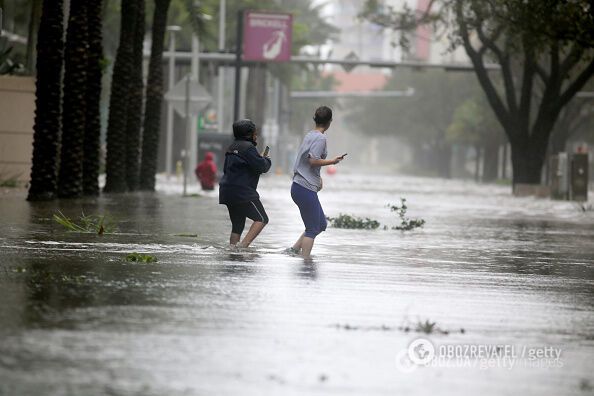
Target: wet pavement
{"points": [[489, 269]]}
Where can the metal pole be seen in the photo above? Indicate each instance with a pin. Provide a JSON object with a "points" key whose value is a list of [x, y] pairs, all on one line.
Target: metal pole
{"points": [[188, 133], [169, 139], [238, 51], [221, 80], [193, 148]]}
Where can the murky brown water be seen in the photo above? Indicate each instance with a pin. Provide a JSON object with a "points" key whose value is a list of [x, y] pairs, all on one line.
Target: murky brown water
{"points": [[76, 319]]}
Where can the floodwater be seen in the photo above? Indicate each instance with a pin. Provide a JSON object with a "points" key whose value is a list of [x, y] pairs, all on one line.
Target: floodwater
{"points": [[491, 270]]}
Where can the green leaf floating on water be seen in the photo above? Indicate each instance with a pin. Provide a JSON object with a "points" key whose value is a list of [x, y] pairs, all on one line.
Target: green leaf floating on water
{"points": [[140, 258]]}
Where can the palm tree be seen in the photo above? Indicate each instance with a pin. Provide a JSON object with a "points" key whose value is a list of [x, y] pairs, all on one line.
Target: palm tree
{"points": [[93, 98], [46, 137], [154, 97], [118, 105], [134, 119], [74, 102]]}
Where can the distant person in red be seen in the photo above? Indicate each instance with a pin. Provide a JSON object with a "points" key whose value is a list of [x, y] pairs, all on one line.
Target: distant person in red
{"points": [[206, 172]]}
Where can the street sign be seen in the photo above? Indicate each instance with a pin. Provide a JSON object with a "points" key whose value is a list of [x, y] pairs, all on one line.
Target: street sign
{"points": [[198, 96], [267, 36]]}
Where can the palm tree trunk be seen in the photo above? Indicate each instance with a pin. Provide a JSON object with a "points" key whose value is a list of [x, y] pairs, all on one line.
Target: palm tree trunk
{"points": [[154, 97], [115, 165], [93, 99], [134, 119], [46, 137], [74, 104]]}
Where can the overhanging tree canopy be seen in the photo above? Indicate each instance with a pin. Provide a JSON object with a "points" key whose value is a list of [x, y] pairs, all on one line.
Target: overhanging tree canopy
{"points": [[544, 48]]}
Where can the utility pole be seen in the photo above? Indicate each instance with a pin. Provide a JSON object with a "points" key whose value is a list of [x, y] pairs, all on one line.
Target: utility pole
{"points": [[222, 69], [193, 148], [238, 51], [169, 139]]}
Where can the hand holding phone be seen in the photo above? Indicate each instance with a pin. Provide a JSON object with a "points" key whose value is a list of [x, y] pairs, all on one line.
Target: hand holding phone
{"points": [[344, 155], [266, 151]]}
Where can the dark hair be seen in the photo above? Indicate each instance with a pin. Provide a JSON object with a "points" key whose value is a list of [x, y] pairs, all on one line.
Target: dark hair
{"points": [[243, 128], [323, 115]]}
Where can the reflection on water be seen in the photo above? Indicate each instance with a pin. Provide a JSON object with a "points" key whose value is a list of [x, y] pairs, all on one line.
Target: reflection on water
{"points": [[76, 318]]}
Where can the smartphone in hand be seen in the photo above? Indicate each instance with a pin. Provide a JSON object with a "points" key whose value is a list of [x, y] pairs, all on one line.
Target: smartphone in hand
{"points": [[344, 155], [266, 151]]}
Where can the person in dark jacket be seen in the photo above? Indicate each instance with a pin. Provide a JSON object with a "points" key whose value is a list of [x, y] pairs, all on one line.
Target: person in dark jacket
{"points": [[206, 172], [237, 188]]}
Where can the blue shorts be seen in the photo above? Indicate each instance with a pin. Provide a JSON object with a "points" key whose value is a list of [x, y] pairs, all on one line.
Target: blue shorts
{"points": [[311, 211]]}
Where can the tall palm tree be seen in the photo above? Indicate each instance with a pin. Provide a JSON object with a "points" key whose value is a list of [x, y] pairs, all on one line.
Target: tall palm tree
{"points": [[46, 137], [74, 102], [93, 99], [154, 97], [134, 119], [115, 165]]}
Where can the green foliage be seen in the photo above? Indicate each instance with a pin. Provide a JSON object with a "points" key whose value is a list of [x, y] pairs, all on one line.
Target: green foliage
{"points": [[473, 123], [406, 224], [535, 23], [203, 18], [544, 49], [352, 222], [87, 224], [420, 120], [140, 258]]}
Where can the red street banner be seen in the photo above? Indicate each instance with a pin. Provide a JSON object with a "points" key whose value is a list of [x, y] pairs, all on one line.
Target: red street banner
{"points": [[267, 36]]}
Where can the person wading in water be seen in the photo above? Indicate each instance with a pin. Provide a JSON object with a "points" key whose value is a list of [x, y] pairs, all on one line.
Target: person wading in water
{"points": [[307, 181]]}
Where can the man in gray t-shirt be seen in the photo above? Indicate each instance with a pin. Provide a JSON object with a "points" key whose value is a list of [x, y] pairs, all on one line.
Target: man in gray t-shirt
{"points": [[304, 174]]}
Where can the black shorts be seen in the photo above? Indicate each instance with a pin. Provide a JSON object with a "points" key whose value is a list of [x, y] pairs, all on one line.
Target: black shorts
{"points": [[239, 212]]}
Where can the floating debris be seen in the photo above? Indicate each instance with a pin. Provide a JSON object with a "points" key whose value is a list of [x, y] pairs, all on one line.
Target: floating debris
{"points": [[140, 258], [406, 224], [87, 224], [352, 222]]}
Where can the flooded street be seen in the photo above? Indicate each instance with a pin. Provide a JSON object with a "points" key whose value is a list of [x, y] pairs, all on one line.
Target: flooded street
{"points": [[487, 268]]}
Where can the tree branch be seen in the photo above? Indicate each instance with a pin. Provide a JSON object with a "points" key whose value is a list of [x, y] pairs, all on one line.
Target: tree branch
{"points": [[504, 61], [572, 59], [477, 60], [577, 84]]}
